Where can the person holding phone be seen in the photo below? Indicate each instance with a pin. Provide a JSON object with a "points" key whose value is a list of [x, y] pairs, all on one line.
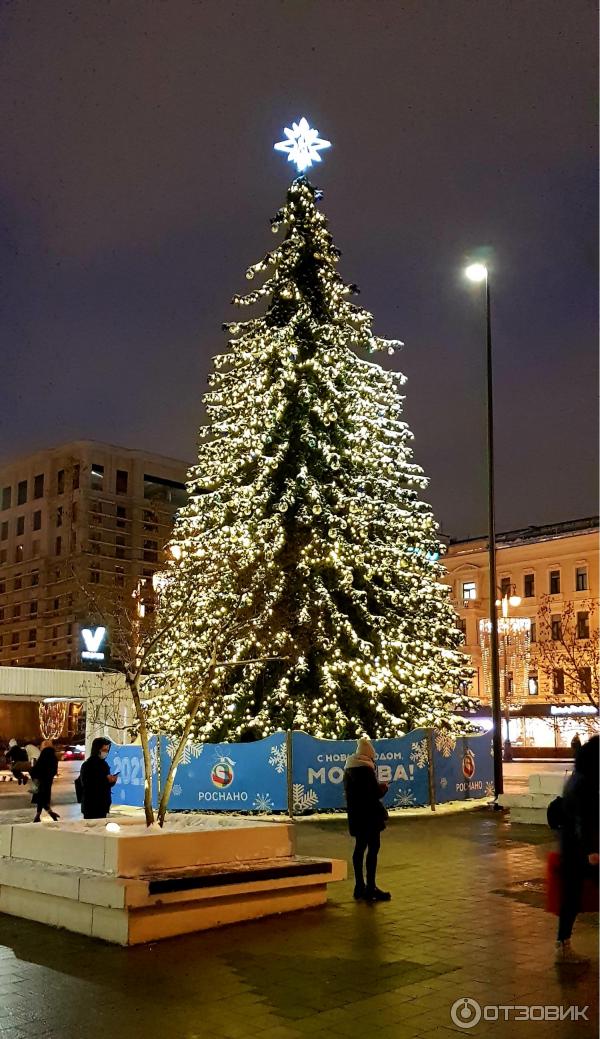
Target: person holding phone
{"points": [[96, 781]]}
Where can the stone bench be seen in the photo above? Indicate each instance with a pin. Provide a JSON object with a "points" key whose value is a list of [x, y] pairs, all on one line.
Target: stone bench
{"points": [[531, 807], [119, 891]]}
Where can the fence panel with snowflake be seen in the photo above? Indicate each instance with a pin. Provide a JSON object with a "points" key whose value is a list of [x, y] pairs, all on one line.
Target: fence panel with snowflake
{"points": [[318, 771], [129, 763], [463, 767], [229, 777]]}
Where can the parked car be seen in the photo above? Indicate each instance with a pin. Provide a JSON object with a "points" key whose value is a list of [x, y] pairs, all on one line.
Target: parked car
{"points": [[75, 753]]}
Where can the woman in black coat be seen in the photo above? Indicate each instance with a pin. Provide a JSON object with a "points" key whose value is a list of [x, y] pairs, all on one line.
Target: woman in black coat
{"points": [[578, 843], [366, 818], [96, 781], [43, 773]]}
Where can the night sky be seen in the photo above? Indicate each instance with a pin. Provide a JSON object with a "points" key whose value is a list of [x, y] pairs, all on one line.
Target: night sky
{"points": [[138, 178]]}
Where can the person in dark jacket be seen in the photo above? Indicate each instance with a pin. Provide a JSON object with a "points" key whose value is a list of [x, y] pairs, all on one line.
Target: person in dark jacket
{"points": [[578, 843], [43, 773], [18, 761], [96, 781], [366, 818]]}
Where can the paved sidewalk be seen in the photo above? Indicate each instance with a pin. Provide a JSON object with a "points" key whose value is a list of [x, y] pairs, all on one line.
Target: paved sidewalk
{"points": [[466, 921]]}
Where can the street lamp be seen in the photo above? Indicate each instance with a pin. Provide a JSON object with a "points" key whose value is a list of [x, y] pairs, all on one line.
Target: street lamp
{"points": [[478, 273]]}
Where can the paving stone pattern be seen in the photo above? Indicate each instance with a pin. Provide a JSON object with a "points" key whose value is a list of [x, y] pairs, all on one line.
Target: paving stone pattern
{"points": [[466, 920]]}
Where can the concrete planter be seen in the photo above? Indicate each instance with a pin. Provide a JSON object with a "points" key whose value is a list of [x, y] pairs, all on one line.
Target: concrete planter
{"points": [[140, 885]]}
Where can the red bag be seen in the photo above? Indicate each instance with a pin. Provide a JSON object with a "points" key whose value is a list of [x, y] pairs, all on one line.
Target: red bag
{"points": [[589, 894]]}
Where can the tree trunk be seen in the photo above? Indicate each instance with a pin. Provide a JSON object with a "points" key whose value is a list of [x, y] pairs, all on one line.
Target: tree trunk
{"points": [[141, 717]]}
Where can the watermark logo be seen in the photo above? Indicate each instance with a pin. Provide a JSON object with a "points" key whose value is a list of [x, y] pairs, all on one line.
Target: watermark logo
{"points": [[467, 1012]]}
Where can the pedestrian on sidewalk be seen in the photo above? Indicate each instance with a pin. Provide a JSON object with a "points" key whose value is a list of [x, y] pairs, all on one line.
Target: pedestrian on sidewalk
{"points": [[575, 743], [96, 781], [366, 818], [578, 843], [43, 773], [18, 761]]}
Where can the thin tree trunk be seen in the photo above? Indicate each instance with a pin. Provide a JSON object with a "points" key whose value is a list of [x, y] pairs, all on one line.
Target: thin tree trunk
{"points": [[144, 739]]}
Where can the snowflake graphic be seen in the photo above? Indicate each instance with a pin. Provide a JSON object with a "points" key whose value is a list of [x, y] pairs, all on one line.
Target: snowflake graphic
{"points": [[303, 800], [489, 789], [154, 760], [404, 799], [122, 795], [444, 742], [176, 791], [262, 803], [278, 758], [443, 782], [419, 755], [191, 750]]}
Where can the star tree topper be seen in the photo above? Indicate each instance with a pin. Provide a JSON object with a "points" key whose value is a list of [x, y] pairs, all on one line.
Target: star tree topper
{"points": [[303, 144]]}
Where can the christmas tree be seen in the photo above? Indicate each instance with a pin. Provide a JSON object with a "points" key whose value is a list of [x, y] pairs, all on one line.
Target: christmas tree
{"points": [[307, 493]]}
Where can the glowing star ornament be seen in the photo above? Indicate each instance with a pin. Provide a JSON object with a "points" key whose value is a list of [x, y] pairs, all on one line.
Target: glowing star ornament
{"points": [[303, 145]]}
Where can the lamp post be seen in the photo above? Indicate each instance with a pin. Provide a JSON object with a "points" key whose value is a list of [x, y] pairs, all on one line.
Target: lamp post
{"points": [[478, 273], [509, 598]]}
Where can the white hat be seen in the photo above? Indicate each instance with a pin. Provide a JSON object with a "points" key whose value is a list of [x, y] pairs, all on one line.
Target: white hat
{"points": [[365, 748]]}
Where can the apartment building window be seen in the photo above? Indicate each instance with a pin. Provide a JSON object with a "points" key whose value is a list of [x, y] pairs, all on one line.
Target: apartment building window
{"points": [[35, 548], [55, 604], [581, 579], [94, 576], [157, 488], [4, 530], [16, 611], [18, 582], [505, 586], [583, 625], [37, 520], [585, 680], [20, 526], [120, 576], [533, 687], [38, 486], [558, 682], [74, 512], [121, 516], [1, 613], [95, 542], [6, 497], [533, 632], [58, 546], [76, 475], [35, 578], [121, 481], [469, 590], [33, 608], [22, 492], [555, 582], [556, 627], [529, 586], [15, 638], [461, 623], [150, 521], [120, 546], [59, 516], [2, 586], [97, 477], [150, 551], [60, 481], [19, 553], [32, 638], [3, 555]]}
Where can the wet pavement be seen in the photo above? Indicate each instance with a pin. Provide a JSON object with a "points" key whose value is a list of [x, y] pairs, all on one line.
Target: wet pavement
{"points": [[466, 922]]}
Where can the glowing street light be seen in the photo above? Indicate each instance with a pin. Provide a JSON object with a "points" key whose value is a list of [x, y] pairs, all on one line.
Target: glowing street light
{"points": [[476, 272]]}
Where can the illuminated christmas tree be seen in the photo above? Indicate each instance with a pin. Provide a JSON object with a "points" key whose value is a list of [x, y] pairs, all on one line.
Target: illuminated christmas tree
{"points": [[306, 491]]}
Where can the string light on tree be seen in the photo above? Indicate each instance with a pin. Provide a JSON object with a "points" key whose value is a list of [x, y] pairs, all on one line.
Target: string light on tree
{"points": [[305, 518]]}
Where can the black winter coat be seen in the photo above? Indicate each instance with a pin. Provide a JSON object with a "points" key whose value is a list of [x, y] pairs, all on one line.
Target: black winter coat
{"points": [[44, 772], [579, 817], [366, 814], [96, 796]]}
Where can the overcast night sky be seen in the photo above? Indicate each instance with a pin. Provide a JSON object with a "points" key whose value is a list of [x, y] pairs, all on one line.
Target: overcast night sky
{"points": [[138, 178]]}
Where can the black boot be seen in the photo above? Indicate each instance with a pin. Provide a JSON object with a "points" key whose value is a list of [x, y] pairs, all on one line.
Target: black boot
{"points": [[375, 894], [360, 891]]}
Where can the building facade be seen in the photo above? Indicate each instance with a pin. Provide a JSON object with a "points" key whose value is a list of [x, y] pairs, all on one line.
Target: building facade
{"points": [[553, 570], [75, 520]]}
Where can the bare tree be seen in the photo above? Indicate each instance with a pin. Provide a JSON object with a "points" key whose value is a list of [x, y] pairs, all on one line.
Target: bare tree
{"points": [[568, 645]]}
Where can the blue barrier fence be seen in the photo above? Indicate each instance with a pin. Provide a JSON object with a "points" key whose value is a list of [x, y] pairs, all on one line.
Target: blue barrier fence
{"points": [[299, 773]]}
